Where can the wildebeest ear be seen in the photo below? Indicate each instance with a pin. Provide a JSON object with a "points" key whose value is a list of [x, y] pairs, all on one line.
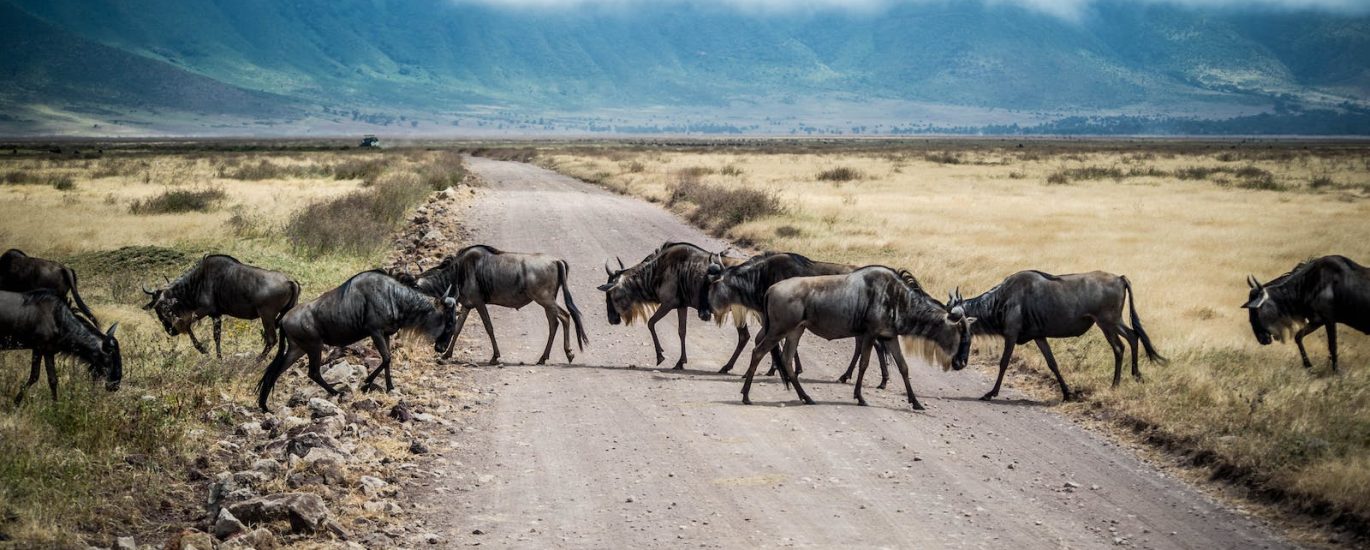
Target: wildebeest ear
{"points": [[605, 287], [715, 269], [1257, 302]]}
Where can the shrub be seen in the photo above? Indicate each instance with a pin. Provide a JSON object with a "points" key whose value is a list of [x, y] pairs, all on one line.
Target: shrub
{"points": [[173, 201], [1059, 177], [788, 231], [358, 223], [443, 171], [1321, 182], [634, 167], [366, 170], [1197, 172], [263, 170], [731, 170], [695, 171], [62, 182], [720, 208], [943, 157], [840, 173]]}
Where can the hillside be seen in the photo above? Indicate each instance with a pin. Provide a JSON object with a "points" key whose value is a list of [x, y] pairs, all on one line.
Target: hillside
{"points": [[416, 57]]}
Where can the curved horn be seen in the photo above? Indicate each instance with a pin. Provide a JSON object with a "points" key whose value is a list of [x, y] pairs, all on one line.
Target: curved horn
{"points": [[167, 279], [447, 293], [112, 328], [1251, 280], [620, 262], [959, 298], [148, 292], [608, 271]]}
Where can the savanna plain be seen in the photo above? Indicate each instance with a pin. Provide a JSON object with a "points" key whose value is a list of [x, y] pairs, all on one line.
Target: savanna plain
{"points": [[1185, 221]]}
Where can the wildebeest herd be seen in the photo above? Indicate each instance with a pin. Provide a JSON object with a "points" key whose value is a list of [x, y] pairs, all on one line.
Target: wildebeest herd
{"points": [[881, 308]]}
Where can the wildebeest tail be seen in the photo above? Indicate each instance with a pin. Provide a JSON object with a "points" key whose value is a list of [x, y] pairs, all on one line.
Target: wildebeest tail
{"points": [[1151, 352], [273, 371], [562, 269], [70, 275], [294, 300]]}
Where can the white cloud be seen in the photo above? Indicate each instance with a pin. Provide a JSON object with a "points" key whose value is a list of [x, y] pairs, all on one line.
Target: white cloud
{"points": [[1068, 9]]}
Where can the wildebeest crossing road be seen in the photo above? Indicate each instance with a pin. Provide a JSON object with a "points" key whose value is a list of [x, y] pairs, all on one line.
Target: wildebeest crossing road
{"points": [[597, 454]]}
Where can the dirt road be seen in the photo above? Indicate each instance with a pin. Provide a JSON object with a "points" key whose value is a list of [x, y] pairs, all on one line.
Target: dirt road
{"points": [[612, 452]]}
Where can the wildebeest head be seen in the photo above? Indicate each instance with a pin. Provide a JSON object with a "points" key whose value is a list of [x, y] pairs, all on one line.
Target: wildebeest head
{"points": [[617, 301], [441, 328], [175, 316], [1267, 321], [959, 338], [109, 360]]}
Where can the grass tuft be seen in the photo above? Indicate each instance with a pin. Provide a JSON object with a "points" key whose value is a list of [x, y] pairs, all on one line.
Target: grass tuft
{"points": [[176, 201], [839, 174]]}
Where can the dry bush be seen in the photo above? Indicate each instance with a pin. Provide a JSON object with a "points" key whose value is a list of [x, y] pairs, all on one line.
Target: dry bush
{"points": [[731, 170], [943, 157], [359, 223], [839, 174], [1059, 177], [175, 201], [634, 167], [721, 208], [364, 169], [695, 171], [443, 170]]}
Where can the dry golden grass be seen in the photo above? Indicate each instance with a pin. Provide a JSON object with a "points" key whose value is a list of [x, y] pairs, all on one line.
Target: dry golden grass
{"points": [[971, 217]]}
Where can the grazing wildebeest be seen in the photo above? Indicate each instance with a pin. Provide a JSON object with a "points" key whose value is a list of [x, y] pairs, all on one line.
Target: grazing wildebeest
{"points": [[221, 285], [669, 279], [740, 290], [872, 304], [482, 275], [370, 304], [1032, 306], [42, 321], [1317, 293], [20, 272]]}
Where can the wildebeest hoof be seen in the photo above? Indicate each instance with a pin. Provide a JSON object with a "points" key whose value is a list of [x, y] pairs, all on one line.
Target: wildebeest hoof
{"points": [[746, 401], [493, 362], [988, 396], [726, 368], [570, 356], [679, 366], [861, 402], [881, 386], [809, 400], [918, 406], [660, 358], [843, 379], [542, 361]]}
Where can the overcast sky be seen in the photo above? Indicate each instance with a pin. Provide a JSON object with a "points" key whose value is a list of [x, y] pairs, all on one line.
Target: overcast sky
{"points": [[1061, 8]]}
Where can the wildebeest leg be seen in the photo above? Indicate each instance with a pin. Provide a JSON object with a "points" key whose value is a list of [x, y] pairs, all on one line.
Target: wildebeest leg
{"points": [[881, 350], [1111, 334], [190, 331], [651, 327], [1131, 337], [551, 333], [1332, 344], [1298, 341], [742, 336], [316, 371], [764, 345], [865, 343], [218, 336], [50, 360], [490, 330], [855, 356], [456, 331], [1051, 364], [791, 348], [682, 317], [898, 353], [382, 345], [1003, 367], [33, 378], [565, 318]]}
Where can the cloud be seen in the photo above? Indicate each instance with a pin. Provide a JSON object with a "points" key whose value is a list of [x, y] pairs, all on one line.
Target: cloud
{"points": [[1066, 9]]}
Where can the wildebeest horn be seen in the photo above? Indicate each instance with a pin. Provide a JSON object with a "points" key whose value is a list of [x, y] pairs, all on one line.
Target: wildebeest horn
{"points": [[167, 279], [148, 292], [447, 293], [620, 262], [1251, 280], [608, 271], [110, 333]]}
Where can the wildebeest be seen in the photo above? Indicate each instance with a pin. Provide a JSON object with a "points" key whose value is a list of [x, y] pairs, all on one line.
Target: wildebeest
{"points": [[42, 321], [872, 304], [482, 275], [20, 272], [221, 285], [669, 279], [1315, 294], [1032, 306], [370, 304], [740, 290]]}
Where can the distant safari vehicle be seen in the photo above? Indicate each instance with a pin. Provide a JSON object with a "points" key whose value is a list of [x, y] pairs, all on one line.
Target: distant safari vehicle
{"points": [[370, 141]]}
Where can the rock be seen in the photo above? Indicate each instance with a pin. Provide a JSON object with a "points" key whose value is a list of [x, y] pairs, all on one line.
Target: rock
{"points": [[319, 408], [247, 478], [434, 236], [324, 454], [367, 404], [371, 486], [418, 447], [302, 479], [340, 373], [267, 466], [301, 444], [190, 539], [260, 539], [401, 412], [249, 429], [125, 543], [227, 526], [429, 538], [292, 422], [306, 512], [331, 426]]}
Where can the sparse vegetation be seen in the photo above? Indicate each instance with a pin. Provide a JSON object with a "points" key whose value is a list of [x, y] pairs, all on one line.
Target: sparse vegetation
{"points": [[176, 201], [721, 208], [839, 174]]}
